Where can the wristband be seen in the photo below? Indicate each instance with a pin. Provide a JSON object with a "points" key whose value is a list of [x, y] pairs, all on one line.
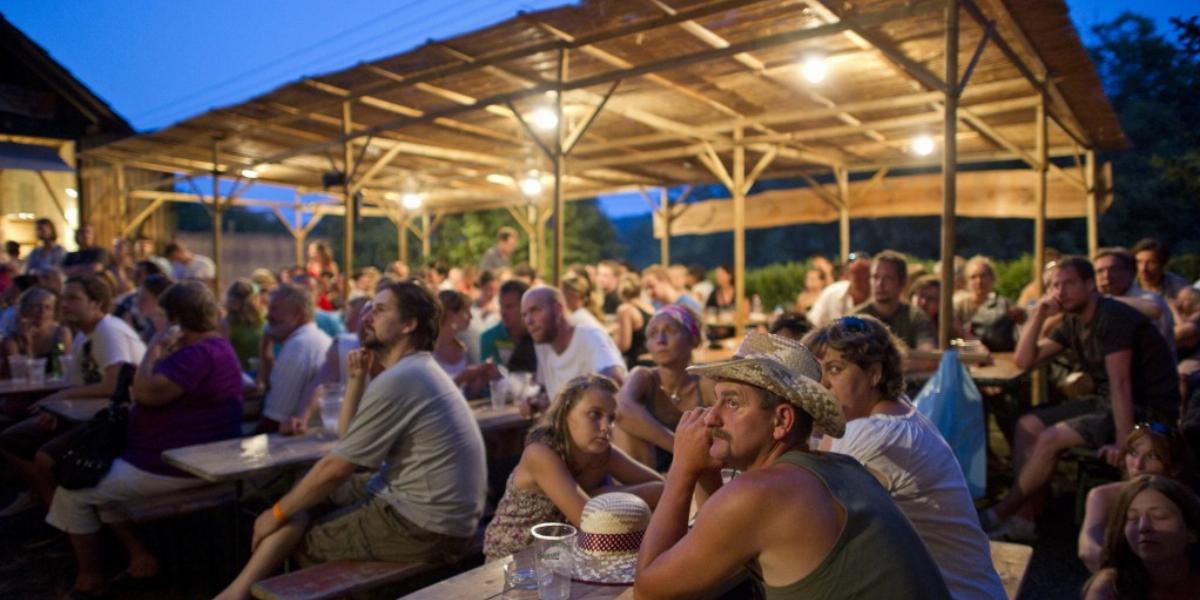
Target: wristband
{"points": [[278, 514]]}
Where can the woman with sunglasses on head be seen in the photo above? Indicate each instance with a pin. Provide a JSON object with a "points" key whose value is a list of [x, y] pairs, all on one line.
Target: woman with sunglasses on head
{"points": [[1152, 449], [861, 365], [653, 399], [1151, 544]]}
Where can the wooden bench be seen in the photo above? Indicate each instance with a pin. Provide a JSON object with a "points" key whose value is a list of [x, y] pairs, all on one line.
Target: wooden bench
{"points": [[1011, 562], [344, 578], [178, 504]]}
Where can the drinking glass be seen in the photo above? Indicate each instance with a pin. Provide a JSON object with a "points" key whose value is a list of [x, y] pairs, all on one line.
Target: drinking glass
{"points": [[554, 545], [331, 404], [519, 574], [36, 371], [499, 393], [18, 368]]}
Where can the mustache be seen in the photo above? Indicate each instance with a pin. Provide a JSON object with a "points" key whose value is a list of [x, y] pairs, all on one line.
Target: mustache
{"points": [[722, 434]]}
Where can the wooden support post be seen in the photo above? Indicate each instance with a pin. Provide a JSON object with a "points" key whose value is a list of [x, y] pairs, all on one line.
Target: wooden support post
{"points": [[949, 176], [122, 199], [348, 198], [402, 234], [842, 174], [664, 212], [1090, 174], [426, 231], [298, 233], [1039, 222], [739, 230], [216, 218], [559, 161]]}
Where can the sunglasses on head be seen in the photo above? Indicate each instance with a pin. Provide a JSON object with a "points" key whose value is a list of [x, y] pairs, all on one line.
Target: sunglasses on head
{"points": [[853, 324], [1161, 429], [853, 256]]}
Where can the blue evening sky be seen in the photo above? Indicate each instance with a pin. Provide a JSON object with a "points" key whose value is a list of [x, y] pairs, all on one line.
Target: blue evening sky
{"points": [[157, 62]]}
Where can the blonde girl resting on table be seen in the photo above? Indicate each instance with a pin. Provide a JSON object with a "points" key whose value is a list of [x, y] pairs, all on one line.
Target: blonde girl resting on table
{"points": [[568, 458]]}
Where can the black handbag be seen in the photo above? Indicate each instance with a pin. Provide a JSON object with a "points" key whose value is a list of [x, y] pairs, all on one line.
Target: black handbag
{"points": [[95, 446]]}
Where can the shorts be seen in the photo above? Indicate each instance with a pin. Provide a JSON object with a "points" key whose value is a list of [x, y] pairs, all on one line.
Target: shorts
{"points": [[363, 526], [1089, 416], [25, 438], [82, 511]]}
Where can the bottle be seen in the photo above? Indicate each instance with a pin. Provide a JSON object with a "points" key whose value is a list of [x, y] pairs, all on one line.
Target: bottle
{"points": [[54, 364]]}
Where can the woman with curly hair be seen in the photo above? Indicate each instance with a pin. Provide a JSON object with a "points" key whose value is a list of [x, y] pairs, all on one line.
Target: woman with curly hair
{"points": [[1151, 544], [568, 458], [243, 322]]}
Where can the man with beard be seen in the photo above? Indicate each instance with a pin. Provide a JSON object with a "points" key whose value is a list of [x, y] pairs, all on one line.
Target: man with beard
{"points": [[889, 274], [294, 372], [565, 351], [810, 524], [507, 342], [1126, 357], [423, 492]]}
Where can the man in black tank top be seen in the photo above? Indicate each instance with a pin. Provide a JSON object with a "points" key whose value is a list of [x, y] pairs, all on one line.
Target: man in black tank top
{"points": [[809, 524]]}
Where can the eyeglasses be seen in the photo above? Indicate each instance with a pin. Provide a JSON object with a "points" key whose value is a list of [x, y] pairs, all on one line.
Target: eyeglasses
{"points": [[1156, 428]]}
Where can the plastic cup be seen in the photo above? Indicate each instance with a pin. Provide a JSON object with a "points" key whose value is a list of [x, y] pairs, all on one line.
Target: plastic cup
{"points": [[554, 545], [36, 371], [520, 574], [330, 399], [65, 362], [499, 393], [18, 368]]}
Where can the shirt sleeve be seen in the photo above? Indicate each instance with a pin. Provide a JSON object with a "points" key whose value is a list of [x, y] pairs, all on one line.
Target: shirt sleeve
{"points": [[285, 398], [108, 347], [380, 421], [1060, 335], [605, 354], [1117, 334], [185, 367], [864, 442]]}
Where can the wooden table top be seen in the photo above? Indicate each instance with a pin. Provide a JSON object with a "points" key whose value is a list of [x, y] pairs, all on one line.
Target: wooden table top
{"points": [[75, 409], [22, 387], [487, 581], [1002, 371], [1011, 561]]}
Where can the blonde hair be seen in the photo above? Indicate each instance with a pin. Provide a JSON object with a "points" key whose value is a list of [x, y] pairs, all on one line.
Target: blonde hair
{"points": [[552, 430]]}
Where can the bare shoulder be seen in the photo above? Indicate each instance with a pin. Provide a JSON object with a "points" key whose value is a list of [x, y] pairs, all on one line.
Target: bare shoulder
{"points": [[790, 489]]}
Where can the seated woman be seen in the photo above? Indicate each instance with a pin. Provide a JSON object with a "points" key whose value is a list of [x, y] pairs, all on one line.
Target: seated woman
{"points": [[1151, 449], [632, 316], [1151, 543], [581, 305], [450, 352], [567, 459], [38, 332], [722, 300], [654, 398], [861, 366], [188, 390], [243, 322]]}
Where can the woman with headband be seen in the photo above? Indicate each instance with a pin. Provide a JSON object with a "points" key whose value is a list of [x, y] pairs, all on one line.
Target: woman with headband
{"points": [[654, 398]]}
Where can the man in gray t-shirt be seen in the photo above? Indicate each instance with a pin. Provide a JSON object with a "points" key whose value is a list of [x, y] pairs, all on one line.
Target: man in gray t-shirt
{"points": [[423, 494]]}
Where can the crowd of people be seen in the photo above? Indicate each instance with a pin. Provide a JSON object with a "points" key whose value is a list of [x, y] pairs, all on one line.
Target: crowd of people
{"points": [[802, 455]]}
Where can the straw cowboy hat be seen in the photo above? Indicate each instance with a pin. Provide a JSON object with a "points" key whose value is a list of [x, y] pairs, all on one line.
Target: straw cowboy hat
{"points": [[785, 367], [610, 533]]}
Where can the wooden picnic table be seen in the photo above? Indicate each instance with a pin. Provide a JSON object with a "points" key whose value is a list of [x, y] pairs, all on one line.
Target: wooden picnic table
{"points": [[1001, 371], [17, 394], [75, 409], [487, 581]]}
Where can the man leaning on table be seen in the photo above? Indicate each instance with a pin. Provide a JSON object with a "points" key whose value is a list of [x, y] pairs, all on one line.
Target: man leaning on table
{"points": [[809, 524], [413, 431]]}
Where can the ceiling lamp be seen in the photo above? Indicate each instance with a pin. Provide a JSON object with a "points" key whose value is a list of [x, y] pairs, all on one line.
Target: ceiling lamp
{"points": [[531, 185], [249, 173], [411, 200], [923, 145], [544, 119], [814, 68], [72, 193]]}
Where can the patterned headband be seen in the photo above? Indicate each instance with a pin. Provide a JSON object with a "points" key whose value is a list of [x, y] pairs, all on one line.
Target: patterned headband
{"points": [[684, 317]]}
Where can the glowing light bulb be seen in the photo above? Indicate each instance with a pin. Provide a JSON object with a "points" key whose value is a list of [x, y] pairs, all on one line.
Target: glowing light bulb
{"points": [[531, 185], [411, 201], [544, 119], [923, 145], [814, 69]]}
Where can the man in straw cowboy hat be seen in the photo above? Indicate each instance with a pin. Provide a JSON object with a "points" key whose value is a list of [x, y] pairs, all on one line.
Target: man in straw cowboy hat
{"points": [[808, 524]]}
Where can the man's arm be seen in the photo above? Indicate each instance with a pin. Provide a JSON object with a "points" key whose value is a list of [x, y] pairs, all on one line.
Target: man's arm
{"points": [[1032, 348], [325, 476], [101, 389], [1120, 391]]}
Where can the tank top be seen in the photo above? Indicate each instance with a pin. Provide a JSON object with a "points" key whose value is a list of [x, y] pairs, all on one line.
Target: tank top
{"points": [[877, 554], [637, 343]]}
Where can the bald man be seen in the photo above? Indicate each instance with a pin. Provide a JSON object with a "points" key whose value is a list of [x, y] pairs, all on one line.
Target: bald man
{"points": [[564, 350]]}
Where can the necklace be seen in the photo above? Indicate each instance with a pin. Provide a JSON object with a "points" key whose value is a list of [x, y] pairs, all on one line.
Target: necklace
{"points": [[673, 395]]}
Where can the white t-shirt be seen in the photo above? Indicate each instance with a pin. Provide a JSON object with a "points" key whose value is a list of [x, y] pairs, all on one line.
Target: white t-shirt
{"points": [[112, 341], [200, 267], [296, 372], [833, 303], [582, 316], [415, 428], [927, 484], [591, 350]]}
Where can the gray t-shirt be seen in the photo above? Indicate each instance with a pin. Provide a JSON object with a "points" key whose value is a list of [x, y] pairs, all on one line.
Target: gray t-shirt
{"points": [[414, 426]]}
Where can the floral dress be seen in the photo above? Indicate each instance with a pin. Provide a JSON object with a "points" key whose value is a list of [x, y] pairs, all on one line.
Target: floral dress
{"points": [[518, 511]]}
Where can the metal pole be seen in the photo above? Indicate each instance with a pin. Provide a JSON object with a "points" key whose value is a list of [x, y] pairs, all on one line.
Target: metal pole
{"points": [[665, 243], [1090, 174], [949, 177], [739, 231], [348, 199], [216, 219]]}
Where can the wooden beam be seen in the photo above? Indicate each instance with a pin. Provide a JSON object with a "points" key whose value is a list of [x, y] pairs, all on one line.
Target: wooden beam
{"points": [[763, 162], [842, 176], [1093, 205], [739, 232]]}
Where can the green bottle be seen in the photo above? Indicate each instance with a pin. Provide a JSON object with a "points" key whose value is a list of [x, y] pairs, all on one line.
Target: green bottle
{"points": [[55, 364]]}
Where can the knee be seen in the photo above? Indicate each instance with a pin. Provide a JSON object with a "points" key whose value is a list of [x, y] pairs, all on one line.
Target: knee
{"points": [[1030, 425], [1056, 439]]}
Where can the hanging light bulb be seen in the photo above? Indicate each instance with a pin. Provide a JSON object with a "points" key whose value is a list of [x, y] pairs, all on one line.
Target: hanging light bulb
{"points": [[531, 185], [249, 173], [72, 193], [923, 145], [814, 68], [544, 119], [411, 200]]}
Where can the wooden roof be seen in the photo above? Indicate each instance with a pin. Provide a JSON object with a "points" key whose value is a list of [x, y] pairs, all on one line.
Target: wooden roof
{"points": [[679, 77]]}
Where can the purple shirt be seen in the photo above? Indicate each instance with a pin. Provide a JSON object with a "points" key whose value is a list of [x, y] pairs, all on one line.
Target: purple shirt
{"points": [[209, 409]]}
